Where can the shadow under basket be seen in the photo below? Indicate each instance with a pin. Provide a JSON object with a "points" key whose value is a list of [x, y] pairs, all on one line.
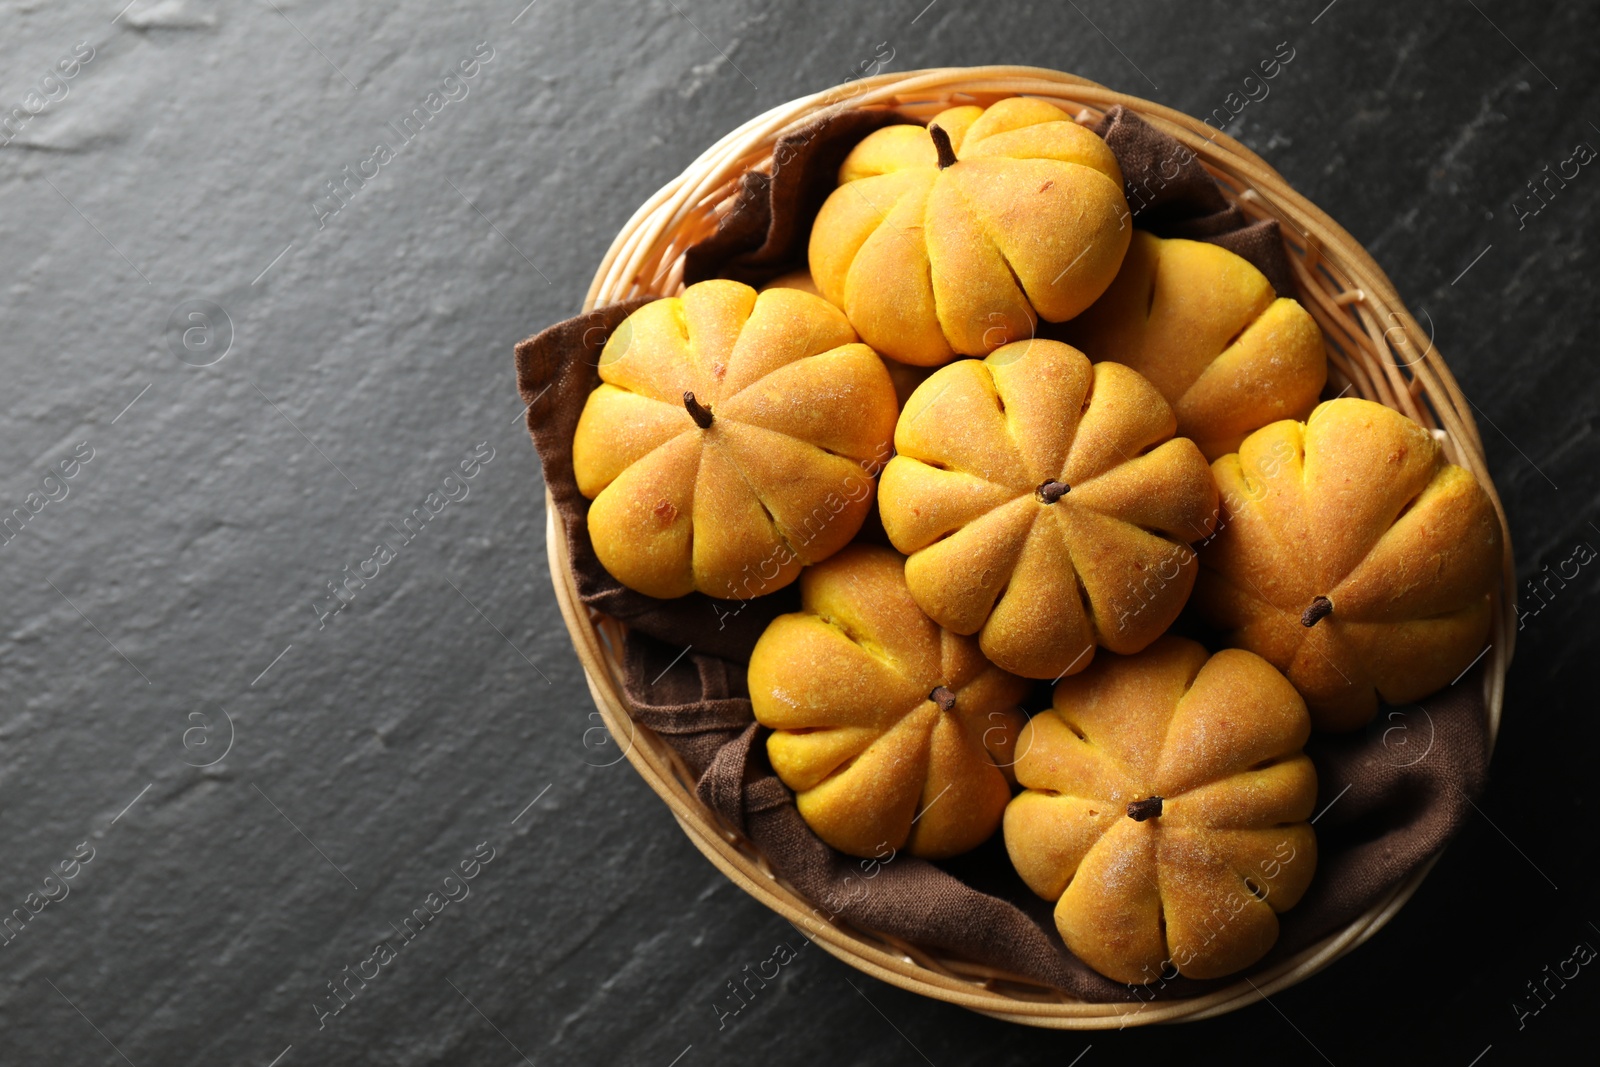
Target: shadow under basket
{"points": [[1375, 350]]}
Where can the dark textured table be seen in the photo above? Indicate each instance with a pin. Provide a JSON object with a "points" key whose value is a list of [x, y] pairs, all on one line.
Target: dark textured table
{"points": [[224, 385]]}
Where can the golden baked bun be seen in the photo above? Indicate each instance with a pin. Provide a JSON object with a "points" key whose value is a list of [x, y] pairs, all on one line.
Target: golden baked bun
{"points": [[733, 440], [891, 731], [906, 378], [1206, 328], [953, 239], [795, 279], [1353, 557], [1045, 506], [1164, 812]]}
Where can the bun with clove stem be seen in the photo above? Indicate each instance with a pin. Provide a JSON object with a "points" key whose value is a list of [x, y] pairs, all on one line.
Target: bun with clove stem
{"points": [[892, 731], [1164, 812], [957, 238], [1352, 556], [734, 438]]}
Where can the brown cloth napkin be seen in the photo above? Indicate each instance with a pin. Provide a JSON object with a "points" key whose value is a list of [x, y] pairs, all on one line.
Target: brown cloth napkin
{"points": [[1388, 799], [1170, 194], [768, 225]]}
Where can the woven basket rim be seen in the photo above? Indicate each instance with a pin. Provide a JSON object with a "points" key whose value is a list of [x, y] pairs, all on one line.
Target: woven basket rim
{"points": [[1356, 307]]}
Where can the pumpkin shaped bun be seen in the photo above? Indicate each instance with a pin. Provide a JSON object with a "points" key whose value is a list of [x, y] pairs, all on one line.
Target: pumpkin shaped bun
{"points": [[955, 238], [891, 730], [1207, 330], [1164, 812], [1045, 506], [1353, 557], [732, 440]]}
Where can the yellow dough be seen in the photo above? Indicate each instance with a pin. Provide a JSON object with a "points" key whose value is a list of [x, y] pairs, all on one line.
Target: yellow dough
{"points": [[798, 417], [1164, 812], [939, 250], [906, 378], [893, 732], [1356, 505], [1045, 506], [1205, 327]]}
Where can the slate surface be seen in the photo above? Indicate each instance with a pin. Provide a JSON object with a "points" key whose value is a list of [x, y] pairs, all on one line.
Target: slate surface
{"points": [[169, 602]]}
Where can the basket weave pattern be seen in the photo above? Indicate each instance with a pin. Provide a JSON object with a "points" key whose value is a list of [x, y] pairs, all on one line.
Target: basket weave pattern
{"points": [[1376, 350]]}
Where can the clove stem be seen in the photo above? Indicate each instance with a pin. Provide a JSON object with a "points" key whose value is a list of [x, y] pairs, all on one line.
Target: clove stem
{"points": [[1320, 608], [697, 411], [1149, 808], [1051, 491]]}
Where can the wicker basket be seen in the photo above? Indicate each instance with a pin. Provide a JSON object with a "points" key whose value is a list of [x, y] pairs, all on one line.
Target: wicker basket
{"points": [[1374, 349]]}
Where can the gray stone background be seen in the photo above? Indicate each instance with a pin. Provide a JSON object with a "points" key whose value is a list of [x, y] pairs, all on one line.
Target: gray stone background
{"points": [[165, 608]]}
